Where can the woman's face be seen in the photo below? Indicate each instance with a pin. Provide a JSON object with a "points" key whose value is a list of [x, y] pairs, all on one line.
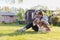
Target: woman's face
{"points": [[36, 13]]}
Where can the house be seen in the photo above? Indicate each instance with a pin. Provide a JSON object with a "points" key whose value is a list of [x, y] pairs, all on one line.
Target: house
{"points": [[7, 17]]}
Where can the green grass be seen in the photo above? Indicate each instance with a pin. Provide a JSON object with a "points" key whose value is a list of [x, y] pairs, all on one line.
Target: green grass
{"points": [[12, 24], [8, 32]]}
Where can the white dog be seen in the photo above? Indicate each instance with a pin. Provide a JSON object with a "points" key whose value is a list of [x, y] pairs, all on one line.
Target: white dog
{"points": [[41, 28]]}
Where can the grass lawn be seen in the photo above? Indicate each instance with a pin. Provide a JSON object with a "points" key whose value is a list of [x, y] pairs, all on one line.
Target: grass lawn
{"points": [[8, 32]]}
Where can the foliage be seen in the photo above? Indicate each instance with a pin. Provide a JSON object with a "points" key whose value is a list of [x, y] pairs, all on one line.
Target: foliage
{"points": [[54, 20], [6, 8], [58, 24], [20, 14], [20, 1], [48, 13]]}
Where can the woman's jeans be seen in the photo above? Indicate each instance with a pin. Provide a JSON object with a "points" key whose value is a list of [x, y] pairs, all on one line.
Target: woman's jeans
{"points": [[35, 28]]}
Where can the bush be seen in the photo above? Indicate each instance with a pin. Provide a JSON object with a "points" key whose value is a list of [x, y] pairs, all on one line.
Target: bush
{"points": [[58, 22], [54, 20]]}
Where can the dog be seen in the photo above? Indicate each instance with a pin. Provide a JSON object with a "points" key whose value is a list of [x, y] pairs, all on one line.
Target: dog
{"points": [[41, 25]]}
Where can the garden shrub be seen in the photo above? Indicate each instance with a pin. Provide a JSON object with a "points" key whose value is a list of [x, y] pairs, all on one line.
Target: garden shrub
{"points": [[54, 20]]}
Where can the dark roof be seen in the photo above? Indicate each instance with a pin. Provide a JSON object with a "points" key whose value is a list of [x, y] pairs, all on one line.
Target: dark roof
{"points": [[7, 13], [31, 10]]}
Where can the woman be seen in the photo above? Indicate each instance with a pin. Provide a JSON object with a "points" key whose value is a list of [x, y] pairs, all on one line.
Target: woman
{"points": [[43, 19]]}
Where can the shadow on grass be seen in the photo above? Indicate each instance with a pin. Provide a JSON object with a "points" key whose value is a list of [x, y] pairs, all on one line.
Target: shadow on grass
{"points": [[12, 24], [19, 33]]}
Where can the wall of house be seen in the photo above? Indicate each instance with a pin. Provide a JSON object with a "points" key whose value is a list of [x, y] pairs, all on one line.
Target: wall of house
{"points": [[12, 19], [0, 19], [8, 19]]}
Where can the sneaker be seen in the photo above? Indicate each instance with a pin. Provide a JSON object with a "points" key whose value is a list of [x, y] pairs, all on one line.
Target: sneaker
{"points": [[22, 30]]}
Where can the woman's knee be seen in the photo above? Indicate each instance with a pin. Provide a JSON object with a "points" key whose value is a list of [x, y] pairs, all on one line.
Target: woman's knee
{"points": [[29, 25], [35, 28]]}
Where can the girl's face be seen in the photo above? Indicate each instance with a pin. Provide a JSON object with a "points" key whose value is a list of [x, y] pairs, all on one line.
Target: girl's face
{"points": [[40, 16]]}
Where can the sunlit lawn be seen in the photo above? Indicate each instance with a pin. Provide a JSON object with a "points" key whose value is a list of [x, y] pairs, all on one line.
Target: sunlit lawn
{"points": [[9, 33]]}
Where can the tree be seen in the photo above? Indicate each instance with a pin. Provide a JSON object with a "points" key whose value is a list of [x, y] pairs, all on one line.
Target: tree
{"points": [[20, 1], [20, 14], [6, 8]]}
